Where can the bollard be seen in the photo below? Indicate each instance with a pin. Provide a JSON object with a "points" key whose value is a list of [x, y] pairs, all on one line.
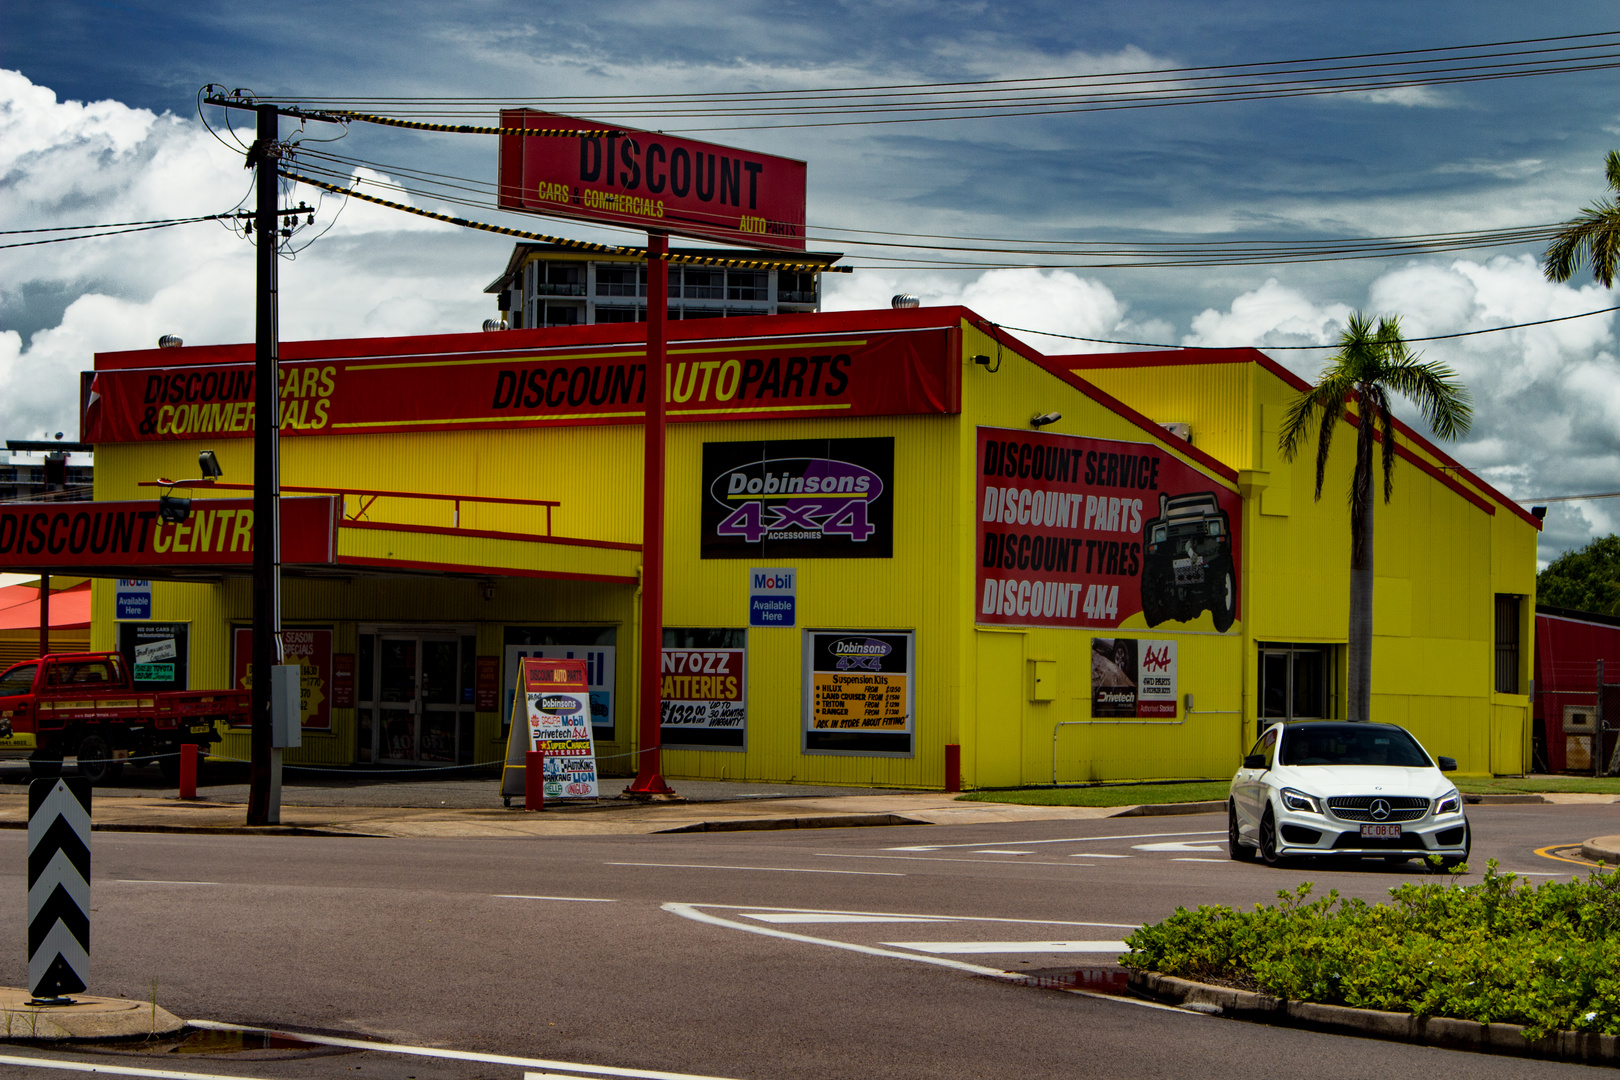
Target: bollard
{"points": [[58, 889], [188, 770], [534, 780]]}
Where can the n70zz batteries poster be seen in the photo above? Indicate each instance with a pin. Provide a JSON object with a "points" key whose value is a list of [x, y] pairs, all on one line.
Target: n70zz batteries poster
{"points": [[1081, 532]]}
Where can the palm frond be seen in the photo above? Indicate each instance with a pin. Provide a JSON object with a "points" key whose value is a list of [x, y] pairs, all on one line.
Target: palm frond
{"points": [[1445, 404]]}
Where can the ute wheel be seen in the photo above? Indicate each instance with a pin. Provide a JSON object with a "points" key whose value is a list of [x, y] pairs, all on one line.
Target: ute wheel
{"points": [[1268, 840], [1223, 599], [1153, 605], [95, 760], [45, 763], [1235, 847]]}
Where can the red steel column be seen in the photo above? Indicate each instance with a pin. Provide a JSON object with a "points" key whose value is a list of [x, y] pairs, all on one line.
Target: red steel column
{"points": [[649, 779], [45, 615]]}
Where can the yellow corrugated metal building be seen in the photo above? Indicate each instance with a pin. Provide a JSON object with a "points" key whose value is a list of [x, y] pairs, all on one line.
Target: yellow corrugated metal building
{"points": [[490, 492]]}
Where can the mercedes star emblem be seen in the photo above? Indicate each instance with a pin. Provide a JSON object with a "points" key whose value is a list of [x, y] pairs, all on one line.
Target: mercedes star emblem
{"points": [[1379, 809]]}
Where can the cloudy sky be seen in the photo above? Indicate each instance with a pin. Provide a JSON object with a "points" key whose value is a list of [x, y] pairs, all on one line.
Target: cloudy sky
{"points": [[98, 123]]}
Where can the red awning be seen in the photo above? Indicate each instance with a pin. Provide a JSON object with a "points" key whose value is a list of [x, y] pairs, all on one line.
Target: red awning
{"points": [[70, 608]]}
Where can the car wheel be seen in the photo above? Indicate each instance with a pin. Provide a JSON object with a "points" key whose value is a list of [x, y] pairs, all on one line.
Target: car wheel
{"points": [[1223, 599], [1268, 840], [95, 760], [1235, 847]]}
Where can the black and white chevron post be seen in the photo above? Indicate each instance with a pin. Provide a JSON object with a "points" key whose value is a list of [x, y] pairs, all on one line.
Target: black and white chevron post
{"points": [[58, 888]]}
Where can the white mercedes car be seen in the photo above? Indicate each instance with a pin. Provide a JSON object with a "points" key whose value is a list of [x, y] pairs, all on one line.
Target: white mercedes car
{"points": [[1352, 790]]}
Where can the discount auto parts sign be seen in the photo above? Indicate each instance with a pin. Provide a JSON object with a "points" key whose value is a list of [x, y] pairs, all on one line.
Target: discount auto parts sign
{"points": [[1088, 532]]}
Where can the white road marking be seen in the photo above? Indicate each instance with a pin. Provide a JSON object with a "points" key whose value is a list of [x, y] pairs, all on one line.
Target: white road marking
{"points": [[149, 881], [1067, 840], [960, 948], [1098, 855], [766, 869], [690, 911], [928, 858], [829, 917], [571, 899], [104, 1069], [914, 915], [993, 851], [433, 1052], [1205, 846], [1200, 860]]}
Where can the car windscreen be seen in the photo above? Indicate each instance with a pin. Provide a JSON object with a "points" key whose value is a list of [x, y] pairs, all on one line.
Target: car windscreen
{"points": [[1352, 744]]}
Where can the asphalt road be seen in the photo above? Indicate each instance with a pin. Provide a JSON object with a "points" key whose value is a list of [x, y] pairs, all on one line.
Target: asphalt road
{"points": [[797, 954]]}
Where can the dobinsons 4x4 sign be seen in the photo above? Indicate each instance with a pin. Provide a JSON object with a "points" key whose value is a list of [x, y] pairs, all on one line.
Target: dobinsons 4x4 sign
{"points": [[649, 180], [799, 499], [1090, 532]]}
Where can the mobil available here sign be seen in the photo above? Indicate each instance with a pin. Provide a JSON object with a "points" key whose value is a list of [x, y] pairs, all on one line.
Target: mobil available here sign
{"points": [[773, 596]]}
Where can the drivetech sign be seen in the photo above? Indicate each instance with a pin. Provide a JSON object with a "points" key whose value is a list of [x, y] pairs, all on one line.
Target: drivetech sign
{"points": [[649, 180], [1088, 532]]}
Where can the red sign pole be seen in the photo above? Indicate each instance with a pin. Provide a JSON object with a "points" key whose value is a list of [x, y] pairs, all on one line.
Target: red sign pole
{"points": [[649, 779]]}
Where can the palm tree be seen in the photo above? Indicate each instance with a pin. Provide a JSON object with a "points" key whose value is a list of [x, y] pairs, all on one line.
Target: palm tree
{"points": [[1370, 365], [1592, 239]]}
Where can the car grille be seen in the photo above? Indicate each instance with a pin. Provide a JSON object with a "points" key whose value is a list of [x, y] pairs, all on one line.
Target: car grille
{"points": [[1360, 808]]}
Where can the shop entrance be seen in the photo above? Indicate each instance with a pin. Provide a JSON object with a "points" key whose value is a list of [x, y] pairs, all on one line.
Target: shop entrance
{"points": [[420, 689]]}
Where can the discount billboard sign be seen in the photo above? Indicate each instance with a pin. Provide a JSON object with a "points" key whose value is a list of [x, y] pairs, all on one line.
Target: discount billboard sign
{"points": [[1089, 532], [648, 180]]}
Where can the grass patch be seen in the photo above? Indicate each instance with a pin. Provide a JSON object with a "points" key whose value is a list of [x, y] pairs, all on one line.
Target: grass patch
{"points": [[1510, 785], [1546, 956], [1107, 795]]}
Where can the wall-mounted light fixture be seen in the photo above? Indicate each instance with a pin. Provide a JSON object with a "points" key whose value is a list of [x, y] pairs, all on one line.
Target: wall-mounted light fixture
{"points": [[1042, 419], [173, 510]]}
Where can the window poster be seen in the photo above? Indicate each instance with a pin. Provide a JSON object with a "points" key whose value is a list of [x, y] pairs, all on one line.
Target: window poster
{"points": [[858, 690], [157, 654], [799, 499], [308, 647], [705, 688], [1132, 677]]}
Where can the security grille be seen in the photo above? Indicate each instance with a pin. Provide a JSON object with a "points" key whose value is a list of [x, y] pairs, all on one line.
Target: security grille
{"points": [[1362, 808]]}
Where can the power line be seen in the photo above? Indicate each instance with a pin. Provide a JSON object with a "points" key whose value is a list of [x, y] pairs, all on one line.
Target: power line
{"points": [[1152, 88], [111, 232], [1295, 348]]}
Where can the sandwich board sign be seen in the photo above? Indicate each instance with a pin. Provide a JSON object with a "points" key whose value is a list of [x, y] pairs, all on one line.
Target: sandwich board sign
{"points": [[551, 713]]}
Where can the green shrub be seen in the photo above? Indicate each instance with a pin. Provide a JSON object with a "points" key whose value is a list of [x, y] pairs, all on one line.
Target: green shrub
{"points": [[1547, 957]]}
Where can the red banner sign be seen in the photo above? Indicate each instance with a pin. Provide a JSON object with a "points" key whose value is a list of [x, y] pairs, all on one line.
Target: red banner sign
{"points": [[649, 180], [1087, 532], [877, 374], [219, 532]]}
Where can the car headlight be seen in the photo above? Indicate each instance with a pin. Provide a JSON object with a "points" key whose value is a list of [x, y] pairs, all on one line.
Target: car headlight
{"points": [[1297, 800], [1449, 803]]}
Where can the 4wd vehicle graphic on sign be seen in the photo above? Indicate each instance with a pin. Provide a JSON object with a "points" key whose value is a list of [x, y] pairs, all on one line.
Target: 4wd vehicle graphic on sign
{"points": [[1187, 564]]}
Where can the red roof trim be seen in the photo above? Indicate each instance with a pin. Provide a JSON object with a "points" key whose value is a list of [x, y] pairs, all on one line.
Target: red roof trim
{"points": [[480, 571], [1055, 365], [1184, 357], [800, 325], [486, 534]]}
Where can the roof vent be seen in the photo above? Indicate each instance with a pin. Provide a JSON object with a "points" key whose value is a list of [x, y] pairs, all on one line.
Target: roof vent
{"points": [[170, 341], [1179, 430], [494, 324], [905, 300]]}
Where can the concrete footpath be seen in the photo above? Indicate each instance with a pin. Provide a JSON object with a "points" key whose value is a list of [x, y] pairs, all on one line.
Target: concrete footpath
{"points": [[429, 804]]}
